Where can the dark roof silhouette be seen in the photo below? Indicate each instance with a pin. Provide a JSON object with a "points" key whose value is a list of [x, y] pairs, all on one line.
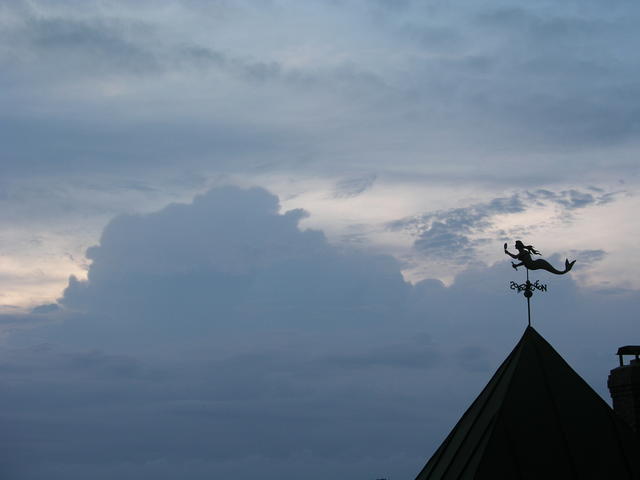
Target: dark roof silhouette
{"points": [[537, 418]]}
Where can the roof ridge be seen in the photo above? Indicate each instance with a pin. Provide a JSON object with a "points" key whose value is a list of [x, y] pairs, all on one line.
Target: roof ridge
{"points": [[479, 403], [556, 413], [617, 425], [529, 330]]}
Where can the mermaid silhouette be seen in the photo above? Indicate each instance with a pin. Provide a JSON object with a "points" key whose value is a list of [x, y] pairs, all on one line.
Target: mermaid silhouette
{"points": [[524, 255]]}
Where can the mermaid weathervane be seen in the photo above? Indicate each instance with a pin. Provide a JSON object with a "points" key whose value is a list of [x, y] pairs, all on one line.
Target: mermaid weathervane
{"points": [[524, 255]]}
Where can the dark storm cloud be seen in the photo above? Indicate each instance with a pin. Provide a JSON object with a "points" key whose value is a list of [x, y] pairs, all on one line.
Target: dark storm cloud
{"points": [[217, 337]]}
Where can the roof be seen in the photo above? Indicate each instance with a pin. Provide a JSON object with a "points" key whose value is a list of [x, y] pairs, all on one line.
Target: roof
{"points": [[537, 418]]}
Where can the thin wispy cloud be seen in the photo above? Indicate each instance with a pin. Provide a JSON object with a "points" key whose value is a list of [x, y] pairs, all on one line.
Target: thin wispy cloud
{"points": [[455, 233]]}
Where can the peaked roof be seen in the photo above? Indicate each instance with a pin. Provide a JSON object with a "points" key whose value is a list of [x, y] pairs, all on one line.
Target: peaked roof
{"points": [[537, 418]]}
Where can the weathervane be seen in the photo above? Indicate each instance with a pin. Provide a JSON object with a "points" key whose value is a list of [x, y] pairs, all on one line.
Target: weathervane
{"points": [[524, 255]]}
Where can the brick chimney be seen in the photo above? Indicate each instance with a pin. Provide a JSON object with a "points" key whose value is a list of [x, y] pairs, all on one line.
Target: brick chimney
{"points": [[624, 385]]}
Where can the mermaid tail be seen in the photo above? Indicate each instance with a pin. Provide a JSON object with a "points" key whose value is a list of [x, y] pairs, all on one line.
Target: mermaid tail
{"points": [[541, 264]]}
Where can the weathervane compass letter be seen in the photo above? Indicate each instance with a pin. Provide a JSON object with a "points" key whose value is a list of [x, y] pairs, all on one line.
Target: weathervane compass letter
{"points": [[524, 255]]}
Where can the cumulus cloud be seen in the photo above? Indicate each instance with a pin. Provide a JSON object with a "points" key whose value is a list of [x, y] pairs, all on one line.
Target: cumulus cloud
{"points": [[217, 338], [233, 261]]}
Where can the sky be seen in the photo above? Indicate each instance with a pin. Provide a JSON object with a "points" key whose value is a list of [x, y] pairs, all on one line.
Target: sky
{"points": [[264, 238]]}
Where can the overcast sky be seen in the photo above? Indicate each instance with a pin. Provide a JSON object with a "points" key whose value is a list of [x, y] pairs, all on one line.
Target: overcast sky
{"points": [[264, 238]]}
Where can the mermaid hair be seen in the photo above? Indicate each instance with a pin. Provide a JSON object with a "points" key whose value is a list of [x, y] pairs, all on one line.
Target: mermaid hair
{"points": [[529, 248]]}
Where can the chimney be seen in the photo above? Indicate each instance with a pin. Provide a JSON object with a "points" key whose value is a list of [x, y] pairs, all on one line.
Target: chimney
{"points": [[624, 385]]}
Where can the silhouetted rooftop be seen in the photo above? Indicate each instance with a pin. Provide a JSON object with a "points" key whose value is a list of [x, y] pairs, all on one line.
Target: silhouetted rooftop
{"points": [[629, 350], [537, 418]]}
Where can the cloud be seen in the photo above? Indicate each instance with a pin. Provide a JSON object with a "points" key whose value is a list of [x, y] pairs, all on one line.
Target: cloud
{"points": [[354, 186], [449, 233], [571, 199], [217, 337], [113, 45], [588, 257], [171, 94], [100, 45], [48, 308], [234, 261], [474, 358], [128, 43], [456, 233], [417, 354]]}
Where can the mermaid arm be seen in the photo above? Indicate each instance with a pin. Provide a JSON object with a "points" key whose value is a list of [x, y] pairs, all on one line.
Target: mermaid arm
{"points": [[509, 253]]}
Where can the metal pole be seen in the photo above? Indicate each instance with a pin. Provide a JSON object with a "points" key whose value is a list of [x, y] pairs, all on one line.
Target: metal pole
{"points": [[528, 298], [528, 289]]}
